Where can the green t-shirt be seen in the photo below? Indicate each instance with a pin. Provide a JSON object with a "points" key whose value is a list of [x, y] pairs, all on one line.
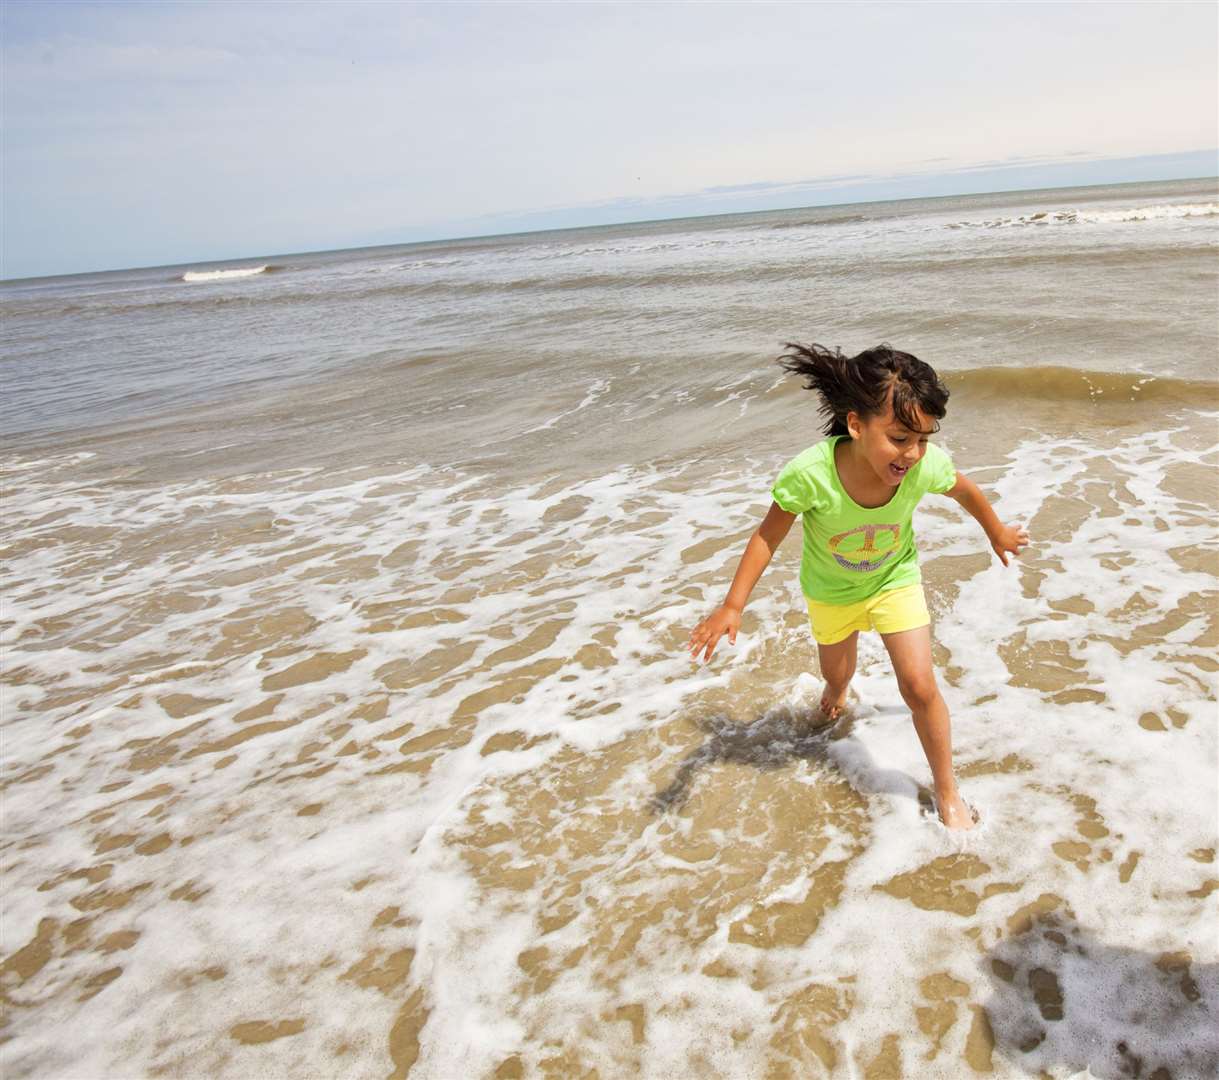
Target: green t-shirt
{"points": [[852, 552]]}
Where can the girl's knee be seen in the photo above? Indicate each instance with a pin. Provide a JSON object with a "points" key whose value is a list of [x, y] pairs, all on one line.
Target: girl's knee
{"points": [[920, 692]]}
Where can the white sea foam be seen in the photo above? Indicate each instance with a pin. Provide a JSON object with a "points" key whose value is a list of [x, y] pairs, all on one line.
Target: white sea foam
{"points": [[1097, 216], [473, 619], [1152, 213], [223, 275]]}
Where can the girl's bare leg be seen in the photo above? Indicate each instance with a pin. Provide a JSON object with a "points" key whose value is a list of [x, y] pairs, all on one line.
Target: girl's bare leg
{"points": [[910, 652], [837, 667]]}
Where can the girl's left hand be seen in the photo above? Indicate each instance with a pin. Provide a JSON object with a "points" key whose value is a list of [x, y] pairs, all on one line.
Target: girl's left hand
{"points": [[1010, 538]]}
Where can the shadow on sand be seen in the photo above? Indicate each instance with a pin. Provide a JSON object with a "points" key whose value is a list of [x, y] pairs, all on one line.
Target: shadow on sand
{"points": [[779, 737], [1063, 999]]}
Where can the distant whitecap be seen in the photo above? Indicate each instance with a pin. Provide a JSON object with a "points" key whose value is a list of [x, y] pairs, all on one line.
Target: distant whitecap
{"points": [[1097, 217], [224, 275]]}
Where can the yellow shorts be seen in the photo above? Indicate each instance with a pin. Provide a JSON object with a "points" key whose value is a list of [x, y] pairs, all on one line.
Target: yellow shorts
{"points": [[888, 612]]}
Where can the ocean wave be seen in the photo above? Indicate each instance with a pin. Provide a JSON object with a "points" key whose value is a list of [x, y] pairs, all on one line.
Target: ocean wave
{"points": [[598, 283], [839, 219], [1074, 258], [225, 275], [1076, 384], [1072, 216]]}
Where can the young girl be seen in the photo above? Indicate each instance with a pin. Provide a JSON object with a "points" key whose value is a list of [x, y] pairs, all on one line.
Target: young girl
{"points": [[857, 491]]}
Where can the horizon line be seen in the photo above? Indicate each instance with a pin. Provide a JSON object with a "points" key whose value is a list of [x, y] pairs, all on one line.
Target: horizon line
{"points": [[459, 235]]}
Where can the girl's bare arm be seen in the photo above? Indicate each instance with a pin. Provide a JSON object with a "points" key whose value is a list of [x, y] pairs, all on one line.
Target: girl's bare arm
{"points": [[1003, 538], [726, 619]]}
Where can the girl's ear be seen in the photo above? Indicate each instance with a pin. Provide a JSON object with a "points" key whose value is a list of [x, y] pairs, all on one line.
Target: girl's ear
{"points": [[853, 426]]}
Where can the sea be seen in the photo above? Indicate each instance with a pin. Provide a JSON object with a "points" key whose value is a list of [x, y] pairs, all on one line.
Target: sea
{"points": [[348, 727]]}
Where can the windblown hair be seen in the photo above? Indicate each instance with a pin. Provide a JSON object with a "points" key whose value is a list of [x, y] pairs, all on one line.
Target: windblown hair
{"points": [[866, 383]]}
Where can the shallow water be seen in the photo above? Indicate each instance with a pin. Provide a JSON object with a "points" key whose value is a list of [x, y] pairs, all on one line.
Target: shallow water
{"points": [[367, 745]]}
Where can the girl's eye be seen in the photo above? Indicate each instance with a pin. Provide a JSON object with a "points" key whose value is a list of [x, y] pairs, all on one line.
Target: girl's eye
{"points": [[899, 439]]}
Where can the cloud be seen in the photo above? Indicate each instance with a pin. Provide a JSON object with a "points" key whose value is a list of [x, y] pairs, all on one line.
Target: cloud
{"points": [[779, 185]]}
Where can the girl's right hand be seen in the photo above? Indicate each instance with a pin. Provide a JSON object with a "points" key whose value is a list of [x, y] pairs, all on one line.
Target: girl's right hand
{"points": [[723, 620]]}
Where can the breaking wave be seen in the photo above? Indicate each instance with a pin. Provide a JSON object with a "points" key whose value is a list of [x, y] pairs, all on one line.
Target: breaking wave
{"points": [[1096, 217], [1074, 384], [225, 275]]}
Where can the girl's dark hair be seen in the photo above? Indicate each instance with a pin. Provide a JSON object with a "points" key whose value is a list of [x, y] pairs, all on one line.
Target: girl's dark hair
{"points": [[863, 384]]}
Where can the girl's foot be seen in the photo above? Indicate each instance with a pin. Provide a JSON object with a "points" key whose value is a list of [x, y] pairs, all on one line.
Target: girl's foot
{"points": [[832, 705], [955, 813]]}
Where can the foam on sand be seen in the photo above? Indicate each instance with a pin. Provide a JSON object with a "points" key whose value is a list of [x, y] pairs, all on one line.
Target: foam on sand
{"points": [[394, 770]]}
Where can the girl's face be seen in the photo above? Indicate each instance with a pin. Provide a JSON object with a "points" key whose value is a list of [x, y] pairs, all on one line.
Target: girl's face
{"points": [[888, 447]]}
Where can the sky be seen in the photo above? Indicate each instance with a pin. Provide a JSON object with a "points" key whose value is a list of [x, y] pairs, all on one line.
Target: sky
{"points": [[150, 134]]}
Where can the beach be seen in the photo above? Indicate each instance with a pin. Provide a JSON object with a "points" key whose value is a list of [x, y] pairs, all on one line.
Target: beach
{"points": [[348, 728]]}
